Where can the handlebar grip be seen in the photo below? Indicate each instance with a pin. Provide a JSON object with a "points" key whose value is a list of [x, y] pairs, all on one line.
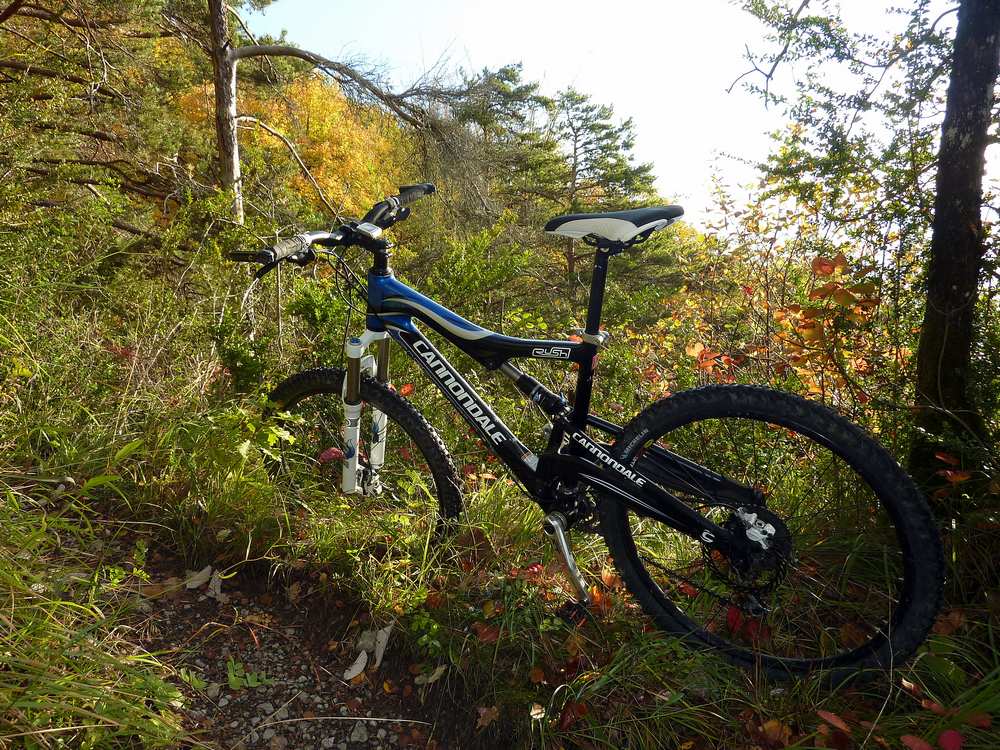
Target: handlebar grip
{"points": [[251, 256], [411, 193], [283, 248]]}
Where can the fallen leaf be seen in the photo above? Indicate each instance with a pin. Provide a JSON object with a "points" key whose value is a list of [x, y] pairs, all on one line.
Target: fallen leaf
{"points": [[389, 687], [955, 476], [536, 712], [381, 641], [428, 679], [406, 389], [487, 716], [357, 667], [980, 720], [294, 591], [948, 622], [951, 739], [215, 588], [694, 350], [487, 633], [572, 711], [536, 675], [776, 732], [936, 708], [834, 720], [915, 743], [194, 580], [611, 579]]}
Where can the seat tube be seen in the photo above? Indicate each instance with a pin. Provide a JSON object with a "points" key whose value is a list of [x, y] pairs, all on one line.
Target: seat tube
{"points": [[585, 380]]}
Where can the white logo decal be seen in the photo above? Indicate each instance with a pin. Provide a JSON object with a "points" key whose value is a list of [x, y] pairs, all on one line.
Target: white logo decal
{"points": [[552, 352], [707, 537], [464, 398], [581, 439]]}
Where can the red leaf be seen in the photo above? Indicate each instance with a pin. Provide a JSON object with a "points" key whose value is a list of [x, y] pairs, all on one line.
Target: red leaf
{"points": [[405, 453], [487, 633], [955, 476], [951, 739], [834, 720], [734, 619], [572, 711], [755, 630], [823, 266], [915, 743], [406, 389], [688, 590], [330, 454], [980, 720], [946, 458]]}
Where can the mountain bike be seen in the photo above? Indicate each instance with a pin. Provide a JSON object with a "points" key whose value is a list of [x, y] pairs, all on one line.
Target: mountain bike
{"points": [[746, 520]]}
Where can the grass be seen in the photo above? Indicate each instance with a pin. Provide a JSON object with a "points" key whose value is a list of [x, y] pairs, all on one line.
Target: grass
{"points": [[70, 676]]}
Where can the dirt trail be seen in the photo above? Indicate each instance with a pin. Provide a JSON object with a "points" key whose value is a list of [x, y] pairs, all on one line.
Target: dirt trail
{"points": [[270, 674]]}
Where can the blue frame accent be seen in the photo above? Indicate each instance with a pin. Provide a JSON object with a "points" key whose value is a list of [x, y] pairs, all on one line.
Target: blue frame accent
{"points": [[392, 305]]}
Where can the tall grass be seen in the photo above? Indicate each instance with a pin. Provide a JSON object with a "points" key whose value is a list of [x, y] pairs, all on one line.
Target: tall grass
{"points": [[70, 674]]}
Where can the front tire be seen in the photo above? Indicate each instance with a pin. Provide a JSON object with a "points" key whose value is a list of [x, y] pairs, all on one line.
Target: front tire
{"points": [[309, 408], [863, 579]]}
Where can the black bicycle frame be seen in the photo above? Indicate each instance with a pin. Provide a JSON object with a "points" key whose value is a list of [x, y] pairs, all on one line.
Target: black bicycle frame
{"points": [[572, 456]]}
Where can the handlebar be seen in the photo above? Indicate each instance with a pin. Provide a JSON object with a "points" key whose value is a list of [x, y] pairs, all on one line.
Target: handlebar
{"points": [[298, 250]]}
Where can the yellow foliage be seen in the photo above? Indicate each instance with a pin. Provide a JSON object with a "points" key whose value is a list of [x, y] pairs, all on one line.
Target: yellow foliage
{"points": [[355, 152]]}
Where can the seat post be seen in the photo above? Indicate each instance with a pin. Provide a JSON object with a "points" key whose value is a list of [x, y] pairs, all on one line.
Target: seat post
{"points": [[585, 379], [597, 283]]}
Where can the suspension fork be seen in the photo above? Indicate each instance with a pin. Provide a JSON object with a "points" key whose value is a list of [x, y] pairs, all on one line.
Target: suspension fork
{"points": [[355, 478]]}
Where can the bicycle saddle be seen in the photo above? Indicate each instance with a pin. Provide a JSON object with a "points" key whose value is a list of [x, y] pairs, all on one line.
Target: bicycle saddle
{"points": [[614, 226]]}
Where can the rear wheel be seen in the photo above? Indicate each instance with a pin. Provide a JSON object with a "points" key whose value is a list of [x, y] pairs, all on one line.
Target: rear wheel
{"points": [[419, 487], [850, 574]]}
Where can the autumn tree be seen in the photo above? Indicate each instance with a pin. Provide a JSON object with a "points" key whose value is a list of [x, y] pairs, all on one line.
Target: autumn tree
{"points": [[872, 156]]}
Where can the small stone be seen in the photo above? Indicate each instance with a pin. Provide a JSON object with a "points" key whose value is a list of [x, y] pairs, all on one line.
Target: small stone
{"points": [[329, 742], [212, 691], [344, 711], [254, 736], [268, 733], [341, 746], [223, 701], [366, 641], [278, 742], [282, 713], [267, 708], [234, 724], [360, 733], [381, 734]]}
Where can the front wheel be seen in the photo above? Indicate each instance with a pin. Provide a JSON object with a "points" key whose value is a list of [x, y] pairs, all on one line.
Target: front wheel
{"points": [[418, 487], [852, 572]]}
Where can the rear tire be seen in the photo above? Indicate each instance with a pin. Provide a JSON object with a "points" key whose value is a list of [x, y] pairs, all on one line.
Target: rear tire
{"points": [[913, 576]]}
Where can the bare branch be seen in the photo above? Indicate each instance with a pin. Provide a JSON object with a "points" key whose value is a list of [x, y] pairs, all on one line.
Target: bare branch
{"points": [[769, 74], [10, 10], [345, 75], [302, 165]]}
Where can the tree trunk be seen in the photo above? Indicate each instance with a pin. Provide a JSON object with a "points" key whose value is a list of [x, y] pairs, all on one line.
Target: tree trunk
{"points": [[946, 337], [224, 69]]}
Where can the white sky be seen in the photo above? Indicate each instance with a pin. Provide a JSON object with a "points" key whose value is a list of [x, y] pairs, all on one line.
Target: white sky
{"points": [[664, 63]]}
